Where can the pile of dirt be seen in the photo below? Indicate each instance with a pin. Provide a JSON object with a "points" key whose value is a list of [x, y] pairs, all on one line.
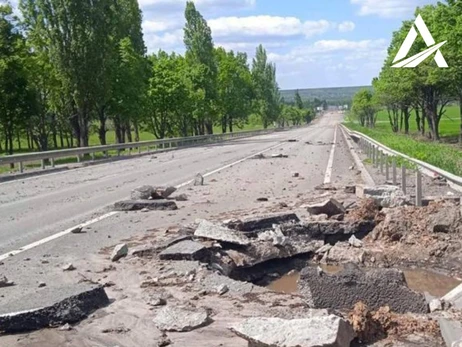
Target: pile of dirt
{"points": [[374, 326], [368, 209]]}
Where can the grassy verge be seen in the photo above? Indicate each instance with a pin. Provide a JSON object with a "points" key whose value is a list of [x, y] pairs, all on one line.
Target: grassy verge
{"points": [[444, 156]]}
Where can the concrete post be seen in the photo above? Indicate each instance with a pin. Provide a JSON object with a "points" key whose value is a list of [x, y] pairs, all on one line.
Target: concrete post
{"points": [[93, 156], [403, 179], [21, 167], [394, 171], [381, 162], [43, 164], [418, 188], [52, 162], [387, 168]]}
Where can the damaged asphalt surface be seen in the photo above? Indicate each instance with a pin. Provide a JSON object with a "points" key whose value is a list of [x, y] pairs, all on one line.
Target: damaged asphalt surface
{"points": [[176, 283]]}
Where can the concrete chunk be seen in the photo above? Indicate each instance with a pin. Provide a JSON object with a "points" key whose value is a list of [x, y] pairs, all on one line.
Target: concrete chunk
{"points": [[119, 252], [451, 331], [57, 307], [172, 318], [212, 231], [329, 207], [151, 205], [142, 193], [264, 222], [376, 288], [386, 196], [321, 331], [185, 250], [454, 297]]}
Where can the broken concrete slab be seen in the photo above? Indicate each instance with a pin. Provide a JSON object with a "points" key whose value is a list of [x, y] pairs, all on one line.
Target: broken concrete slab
{"points": [[181, 198], [342, 253], [451, 331], [446, 220], [209, 230], [386, 195], [163, 192], [119, 252], [329, 207], [55, 307], [151, 205], [142, 193], [376, 288], [279, 155], [265, 222], [184, 250], [318, 331], [454, 297], [332, 231], [355, 242], [171, 318]]}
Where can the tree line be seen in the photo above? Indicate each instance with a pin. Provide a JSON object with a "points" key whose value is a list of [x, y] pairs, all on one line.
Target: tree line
{"points": [[423, 91], [72, 68]]}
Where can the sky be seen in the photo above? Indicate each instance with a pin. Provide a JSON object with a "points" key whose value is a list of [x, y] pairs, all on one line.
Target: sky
{"points": [[314, 43]]}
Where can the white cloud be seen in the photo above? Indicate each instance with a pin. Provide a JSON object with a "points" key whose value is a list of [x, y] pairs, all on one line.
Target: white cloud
{"points": [[258, 26], [346, 26], [389, 8], [168, 41]]}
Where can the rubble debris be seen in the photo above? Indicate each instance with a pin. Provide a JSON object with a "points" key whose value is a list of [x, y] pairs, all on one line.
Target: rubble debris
{"points": [[119, 252], [199, 180], [444, 219], [317, 331], [264, 222], [343, 253], [386, 196], [212, 231], [117, 330], [77, 230], [326, 187], [324, 249], [353, 241], [292, 140], [276, 236], [69, 267], [263, 199], [164, 341], [181, 197], [368, 209], [279, 155], [350, 189], [259, 156], [4, 282], [435, 305], [295, 174], [184, 250], [454, 297], [163, 192], [65, 327], [171, 318], [366, 328], [42, 284], [157, 300], [69, 305], [222, 289], [330, 207], [376, 288], [142, 193], [151, 205], [333, 231]]}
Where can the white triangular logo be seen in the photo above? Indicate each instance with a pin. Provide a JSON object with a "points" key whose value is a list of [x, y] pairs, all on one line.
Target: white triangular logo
{"points": [[420, 57]]}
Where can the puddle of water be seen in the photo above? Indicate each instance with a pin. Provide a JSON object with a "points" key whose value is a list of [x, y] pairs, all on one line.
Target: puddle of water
{"points": [[419, 280]]}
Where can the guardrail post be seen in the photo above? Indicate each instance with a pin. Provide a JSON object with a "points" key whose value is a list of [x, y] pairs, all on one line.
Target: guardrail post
{"points": [[387, 168], [418, 188], [21, 167], [139, 149], [106, 154], [93, 156], [381, 162], [394, 171], [375, 156], [43, 164], [52, 161], [118, 152], [78, 158], [403, 179]]}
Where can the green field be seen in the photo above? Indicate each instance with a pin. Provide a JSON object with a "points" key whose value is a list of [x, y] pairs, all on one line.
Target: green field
{"points": [[445, 156], [449, 124]]}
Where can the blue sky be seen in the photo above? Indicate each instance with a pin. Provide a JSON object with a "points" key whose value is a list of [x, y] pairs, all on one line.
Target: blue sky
{"points": [[314, 43]]}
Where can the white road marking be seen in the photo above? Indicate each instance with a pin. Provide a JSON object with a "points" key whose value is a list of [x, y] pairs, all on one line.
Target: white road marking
{"points": [[110, 214], [55, 236], [330, 165]]}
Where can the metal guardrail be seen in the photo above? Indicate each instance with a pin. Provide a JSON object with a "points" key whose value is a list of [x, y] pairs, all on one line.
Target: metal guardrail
{"points": [[380, 156], [163, 144]]}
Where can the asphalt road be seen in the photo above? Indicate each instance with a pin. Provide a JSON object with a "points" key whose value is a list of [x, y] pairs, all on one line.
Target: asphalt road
{"points": [[34, 209]]}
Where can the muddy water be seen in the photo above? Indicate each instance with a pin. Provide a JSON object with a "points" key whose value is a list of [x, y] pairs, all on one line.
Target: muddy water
{"points": [[418, 280]]}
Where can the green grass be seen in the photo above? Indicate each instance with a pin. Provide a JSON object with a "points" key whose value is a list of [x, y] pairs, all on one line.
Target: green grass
{"points": [[445, 156], [449, 124]]}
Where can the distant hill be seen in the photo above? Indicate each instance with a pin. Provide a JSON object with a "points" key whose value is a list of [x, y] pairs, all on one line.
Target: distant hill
{"points": [[333, 96]]}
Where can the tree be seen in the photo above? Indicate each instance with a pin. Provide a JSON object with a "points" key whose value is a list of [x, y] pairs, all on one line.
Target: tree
{"points": [[298, 100], [200, 54], [267, 96], [15, 95], [234, 88], [364, 108]]}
